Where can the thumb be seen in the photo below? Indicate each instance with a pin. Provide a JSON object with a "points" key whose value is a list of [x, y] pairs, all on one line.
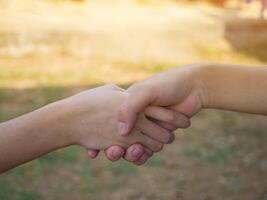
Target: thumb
{"points": [[138, 99]]}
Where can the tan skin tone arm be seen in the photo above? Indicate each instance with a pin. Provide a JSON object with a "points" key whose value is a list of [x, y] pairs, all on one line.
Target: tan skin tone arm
{"points": [[236, 88], [197, 86], [189, 89]]}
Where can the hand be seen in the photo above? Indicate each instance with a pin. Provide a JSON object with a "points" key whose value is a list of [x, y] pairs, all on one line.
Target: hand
{"points": [[92, 116], [167, 118], [136, 153], [88, 119], [178, 89]]}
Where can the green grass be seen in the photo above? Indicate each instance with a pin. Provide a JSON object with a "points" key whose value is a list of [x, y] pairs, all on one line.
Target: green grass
{"points": [[213, 154], [21, 195], [121, 168], [63, 156], [250, 131], [156, 161], [11, 191]]}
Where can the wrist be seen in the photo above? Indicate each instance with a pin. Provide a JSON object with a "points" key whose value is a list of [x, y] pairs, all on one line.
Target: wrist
{"points": [[201, 75], [57, 120], [74, 114]]}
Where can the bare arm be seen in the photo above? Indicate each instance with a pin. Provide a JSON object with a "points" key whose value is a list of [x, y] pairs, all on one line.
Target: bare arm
{"points": [[192, 88], [32, 135], [76, 120], [236, 88]]}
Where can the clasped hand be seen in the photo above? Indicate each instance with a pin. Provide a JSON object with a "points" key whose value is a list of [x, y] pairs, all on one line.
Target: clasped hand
{"points": [[133, 123], [153, 128], [136, 122]]}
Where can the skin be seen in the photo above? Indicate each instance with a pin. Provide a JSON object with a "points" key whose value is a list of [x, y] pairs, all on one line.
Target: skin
{"points": [[87, 119], [166, 118], [198, 86], [182, 90]]}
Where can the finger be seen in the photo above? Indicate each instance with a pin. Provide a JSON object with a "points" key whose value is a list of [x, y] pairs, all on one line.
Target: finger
{"points": [[142, 160], [153, 130], [114, 152], [151, 144], [165, 125], [138, 99], [137, 136], [134, 152], [92, 153], [168, 115]]}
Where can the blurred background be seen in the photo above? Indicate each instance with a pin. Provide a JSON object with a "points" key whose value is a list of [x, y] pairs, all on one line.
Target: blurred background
{"points": [[52, 49]]}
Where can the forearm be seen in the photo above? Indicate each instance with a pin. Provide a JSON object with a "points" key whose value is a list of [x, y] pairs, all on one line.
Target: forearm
{"points": [[232, 87], [32, 135]]}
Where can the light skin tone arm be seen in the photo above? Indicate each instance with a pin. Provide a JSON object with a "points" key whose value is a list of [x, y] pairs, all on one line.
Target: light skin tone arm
{"points": [[197, 86], [87, 119], [32, 135]]}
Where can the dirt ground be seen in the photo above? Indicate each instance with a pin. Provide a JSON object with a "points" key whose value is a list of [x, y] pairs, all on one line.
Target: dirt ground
{"points": [[49, 51]]}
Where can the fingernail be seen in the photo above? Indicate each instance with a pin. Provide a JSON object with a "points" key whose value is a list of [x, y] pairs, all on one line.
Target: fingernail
{"points": [[136, 152], [114, 154], [122, 128]]}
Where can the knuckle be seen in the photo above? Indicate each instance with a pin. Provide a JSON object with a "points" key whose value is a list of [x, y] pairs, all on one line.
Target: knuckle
{"points": [[157, 147], [169, 138], [164, 137], [186, 124]]}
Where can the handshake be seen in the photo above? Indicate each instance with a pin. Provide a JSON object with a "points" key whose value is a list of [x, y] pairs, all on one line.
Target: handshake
{"points": [[99, 126], [136, 122], [133, 123]]}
